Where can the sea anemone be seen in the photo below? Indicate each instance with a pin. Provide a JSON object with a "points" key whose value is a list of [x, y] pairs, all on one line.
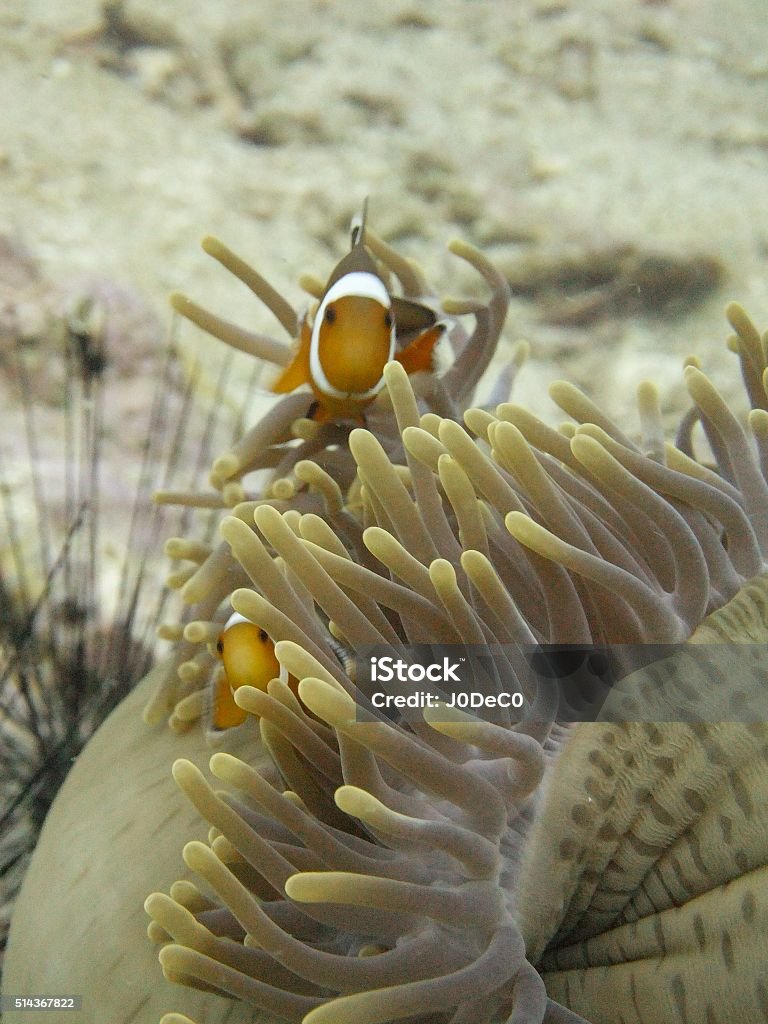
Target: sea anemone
{"points": [[452, 869], [389, 882]]}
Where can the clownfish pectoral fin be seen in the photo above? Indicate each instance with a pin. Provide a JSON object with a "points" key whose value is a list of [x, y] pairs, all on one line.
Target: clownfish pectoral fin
{"points": [[320, 413], [419, 355], [411, 316], [297, 372], [223, 713]]}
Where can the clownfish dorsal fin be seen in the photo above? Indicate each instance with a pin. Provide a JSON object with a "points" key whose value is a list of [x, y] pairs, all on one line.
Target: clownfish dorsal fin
{"points": [[358, 259], [357, 229]]}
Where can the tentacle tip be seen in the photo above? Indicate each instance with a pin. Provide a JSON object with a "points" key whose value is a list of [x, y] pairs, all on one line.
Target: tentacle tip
{"points": [[734, 311], [153, 901], [394, 371], [265, 515], [240, 596], [185, 773], [220, 762], [196, 854], [226, 526], [211, 244], [294, 888], [167, 956]]}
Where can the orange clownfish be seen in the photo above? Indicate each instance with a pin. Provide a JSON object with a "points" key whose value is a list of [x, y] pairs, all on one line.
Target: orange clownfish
{"points": [[354, 334], [248, 657]]}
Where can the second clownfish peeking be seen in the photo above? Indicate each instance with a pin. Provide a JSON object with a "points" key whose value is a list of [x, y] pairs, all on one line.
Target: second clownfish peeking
{"points": [[357, 329], [247, 655], [248, 659]]}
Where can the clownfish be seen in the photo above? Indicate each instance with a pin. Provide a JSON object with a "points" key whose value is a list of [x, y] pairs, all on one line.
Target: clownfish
{"points": [[354, 334], [248, 658]]}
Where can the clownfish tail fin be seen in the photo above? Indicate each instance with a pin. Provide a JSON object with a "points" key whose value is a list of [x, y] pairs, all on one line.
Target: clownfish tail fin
{"points": [[357, 229]]}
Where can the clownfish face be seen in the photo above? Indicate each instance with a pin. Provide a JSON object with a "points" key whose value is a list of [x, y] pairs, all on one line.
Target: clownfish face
{"points": [[353, 338], [343, 353], [248, 657]]}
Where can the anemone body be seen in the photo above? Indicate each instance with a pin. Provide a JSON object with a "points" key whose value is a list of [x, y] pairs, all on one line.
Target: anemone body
{"points": [[116, 826]]}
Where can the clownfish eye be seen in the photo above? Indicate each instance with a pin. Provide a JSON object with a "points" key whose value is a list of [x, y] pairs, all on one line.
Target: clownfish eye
{"points": [[330, 315], [220, 645], [263, 636], [388, 318]]}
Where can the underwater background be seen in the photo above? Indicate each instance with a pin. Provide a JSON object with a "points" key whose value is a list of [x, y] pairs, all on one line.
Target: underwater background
{"points": [[611, 158]]}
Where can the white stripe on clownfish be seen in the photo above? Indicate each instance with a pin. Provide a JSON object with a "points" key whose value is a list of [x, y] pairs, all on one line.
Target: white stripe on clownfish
{"points": [[233, 619], [356, 284]]}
